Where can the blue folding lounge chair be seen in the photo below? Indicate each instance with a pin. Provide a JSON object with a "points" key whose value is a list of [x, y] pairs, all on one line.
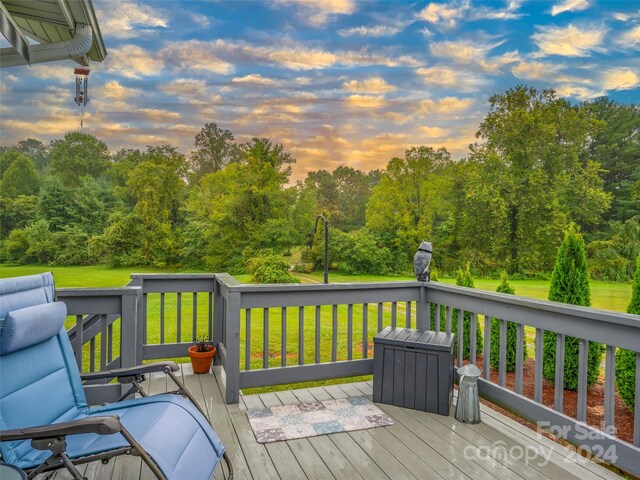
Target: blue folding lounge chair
{"points": [[45, 422]]}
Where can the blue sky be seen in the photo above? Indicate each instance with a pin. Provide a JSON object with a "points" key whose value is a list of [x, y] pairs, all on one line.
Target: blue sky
{"points": [[337, 82]]}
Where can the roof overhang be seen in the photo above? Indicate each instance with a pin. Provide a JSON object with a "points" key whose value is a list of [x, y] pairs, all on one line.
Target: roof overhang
{"points": [[62, 29]]}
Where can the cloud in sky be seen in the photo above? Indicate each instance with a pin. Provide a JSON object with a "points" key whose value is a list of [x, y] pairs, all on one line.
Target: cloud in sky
{"points": [[337, 81], [570, 6], [569, 41]]}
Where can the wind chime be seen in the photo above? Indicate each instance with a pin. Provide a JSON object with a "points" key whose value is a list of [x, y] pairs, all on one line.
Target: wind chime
{"points": [[82, 90]]}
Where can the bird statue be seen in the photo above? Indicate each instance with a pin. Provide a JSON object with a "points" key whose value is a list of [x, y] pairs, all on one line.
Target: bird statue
{"points": [[421, 262]]}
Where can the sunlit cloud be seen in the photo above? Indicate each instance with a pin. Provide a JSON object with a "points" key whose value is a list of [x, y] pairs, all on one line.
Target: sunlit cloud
{"points": [[570, 6], [184, 87], [194, 54], [441, 76], [132, 61], [158, 115], [620, 79], [446, 105], [535, 70], [630, 38], [384, 30], [365, 101], [319, 14], [127, 18], [470, 52], [433, 132], [579, 92], [369, 85], [255, 79], [444, 14], [569, 41]]}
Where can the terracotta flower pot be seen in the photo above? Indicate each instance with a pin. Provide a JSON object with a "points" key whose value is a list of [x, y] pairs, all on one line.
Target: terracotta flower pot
{"points": [[201, 361]]}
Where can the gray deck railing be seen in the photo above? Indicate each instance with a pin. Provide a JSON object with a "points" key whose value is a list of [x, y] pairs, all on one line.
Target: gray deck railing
{"points": [[103, 333], [277, 334]]}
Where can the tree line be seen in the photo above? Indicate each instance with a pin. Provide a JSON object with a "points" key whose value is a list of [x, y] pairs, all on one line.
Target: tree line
{"points": [[538, 164]]}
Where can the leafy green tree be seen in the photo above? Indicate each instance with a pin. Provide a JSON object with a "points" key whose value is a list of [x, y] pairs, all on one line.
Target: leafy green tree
{"points": [[343, 195], [56, 203], [37, 151], [7, 157], [537, 138], [512, 334], [238, 202], [570, 284], [21, 178], [402, 207], [361, 252], [626, 359], [16, 246], [616, 147], [17, 212], [78, 155], [43, 246], [214, 149]]}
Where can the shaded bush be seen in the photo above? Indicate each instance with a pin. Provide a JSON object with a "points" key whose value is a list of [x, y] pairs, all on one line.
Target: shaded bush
{"points": [[463, 279], [267, 267], [626, 359]]}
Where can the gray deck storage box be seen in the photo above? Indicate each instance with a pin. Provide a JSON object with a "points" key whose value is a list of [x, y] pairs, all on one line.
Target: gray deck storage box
{"points": [[413, 369]]}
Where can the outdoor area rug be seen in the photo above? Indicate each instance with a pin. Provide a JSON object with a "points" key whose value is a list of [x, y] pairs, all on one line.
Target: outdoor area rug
{"points": [[318, 418]]}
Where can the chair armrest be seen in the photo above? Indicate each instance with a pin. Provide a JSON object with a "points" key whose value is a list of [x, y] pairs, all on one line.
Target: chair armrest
{"points": [[100, 425], [131, 371]]}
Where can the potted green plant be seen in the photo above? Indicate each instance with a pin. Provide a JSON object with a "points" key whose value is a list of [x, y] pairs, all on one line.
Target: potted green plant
{"points": [[201, 355]]}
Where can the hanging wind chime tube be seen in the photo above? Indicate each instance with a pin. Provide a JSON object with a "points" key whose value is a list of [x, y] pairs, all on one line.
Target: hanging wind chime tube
{"points": [[82, 90]]}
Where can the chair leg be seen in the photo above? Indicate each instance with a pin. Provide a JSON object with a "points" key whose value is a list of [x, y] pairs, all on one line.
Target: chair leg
{"points": [[229, 465]]}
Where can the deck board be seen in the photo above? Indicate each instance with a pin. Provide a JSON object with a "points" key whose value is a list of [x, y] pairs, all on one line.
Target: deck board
{"points": [[418, 446]]}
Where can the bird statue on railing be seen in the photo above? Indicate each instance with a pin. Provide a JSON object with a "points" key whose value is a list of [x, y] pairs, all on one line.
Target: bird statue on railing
{"points": [[421, 262]]}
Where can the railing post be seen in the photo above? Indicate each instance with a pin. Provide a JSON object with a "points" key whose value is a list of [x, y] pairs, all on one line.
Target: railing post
{"points": [[128, 333], [137, 281], [422, 310], [218, 317], [232, 345]]}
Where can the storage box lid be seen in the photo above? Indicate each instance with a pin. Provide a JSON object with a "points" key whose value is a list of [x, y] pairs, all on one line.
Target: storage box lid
{"points": [[412, 338]]}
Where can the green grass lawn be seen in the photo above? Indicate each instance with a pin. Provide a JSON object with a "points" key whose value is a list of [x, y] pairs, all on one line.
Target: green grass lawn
{"points": [[607, 295]]}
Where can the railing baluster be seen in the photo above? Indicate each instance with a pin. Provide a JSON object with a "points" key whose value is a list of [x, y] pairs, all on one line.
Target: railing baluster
{"points": [[394, 314], [103, 342], [473, 334], [283, 313], [460, 336], [559, 386], [265, 340], [502, 362], [110, 343], [317, 333], [583, 362], [449, 315], [79, 341], [145, 309], [519, 356], [92, 354], [210, 319], [486, 362], [365, 330], [636, 418], [408, 315], [247, 334], [380, 316], [429, 326], [195, 314], [350, 331], [179, 319], [334, 333], [609, 387], [437, 318], [537, 389], [162, 317], [300, 335]]}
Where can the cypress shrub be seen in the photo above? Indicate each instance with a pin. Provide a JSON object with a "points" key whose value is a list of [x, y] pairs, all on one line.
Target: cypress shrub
{"points": [[512, 333], [570, 284], [626, 359]]}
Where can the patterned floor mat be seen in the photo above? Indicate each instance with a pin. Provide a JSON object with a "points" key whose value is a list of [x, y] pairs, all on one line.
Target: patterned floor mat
{"points": [[318, 418]]}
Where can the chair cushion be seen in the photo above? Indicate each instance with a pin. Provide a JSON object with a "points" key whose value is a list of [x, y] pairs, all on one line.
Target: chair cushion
{"points": [[20, 292], [31, 325], [176, 435]]}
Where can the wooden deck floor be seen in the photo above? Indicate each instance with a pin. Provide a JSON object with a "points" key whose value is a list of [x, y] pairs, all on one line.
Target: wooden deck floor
{"points": [[419, 445]]}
